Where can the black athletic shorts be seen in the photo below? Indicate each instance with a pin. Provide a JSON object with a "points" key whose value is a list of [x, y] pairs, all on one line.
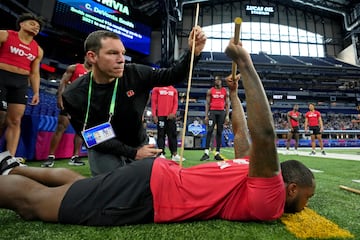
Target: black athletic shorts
{"points": [[122, 196], [314, 130], [13, 88], [295, 130], [63, 113]]}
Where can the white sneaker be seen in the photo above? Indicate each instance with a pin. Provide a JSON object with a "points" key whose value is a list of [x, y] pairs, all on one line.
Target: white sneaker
{"points": [[20, 160], [8, 162], [162, 156], [177, 158], [152, 140]]}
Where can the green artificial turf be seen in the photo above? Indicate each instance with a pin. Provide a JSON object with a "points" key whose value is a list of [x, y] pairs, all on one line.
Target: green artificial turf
{"points": [[339, 206]]}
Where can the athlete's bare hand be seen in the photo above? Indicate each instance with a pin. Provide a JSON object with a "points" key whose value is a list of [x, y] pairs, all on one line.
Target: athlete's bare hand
{"points": [[231, 83], [155, 119], [237, 53], [35, 99], [171, 116], [148, 150], [200, 40]]}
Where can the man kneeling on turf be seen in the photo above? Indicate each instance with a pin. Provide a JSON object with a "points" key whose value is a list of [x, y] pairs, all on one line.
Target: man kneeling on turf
{"points": [[250, 187]]}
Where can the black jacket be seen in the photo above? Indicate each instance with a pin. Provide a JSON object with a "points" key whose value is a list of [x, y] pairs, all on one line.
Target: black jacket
{"points": [[132, 95]]}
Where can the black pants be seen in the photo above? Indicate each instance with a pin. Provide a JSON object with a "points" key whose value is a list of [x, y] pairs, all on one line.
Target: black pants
{"points": [[167, 127], [215, 118]]}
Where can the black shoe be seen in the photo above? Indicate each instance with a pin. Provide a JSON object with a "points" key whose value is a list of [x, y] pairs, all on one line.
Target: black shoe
{"points": [[7, 161], [75, 161], [205, 157], [49, 163], [218, 157], [323, 152]]}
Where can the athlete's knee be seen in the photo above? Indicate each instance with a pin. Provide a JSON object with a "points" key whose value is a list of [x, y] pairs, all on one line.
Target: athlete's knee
{"points": [[61, 128], [68, 175], [13, 122]]}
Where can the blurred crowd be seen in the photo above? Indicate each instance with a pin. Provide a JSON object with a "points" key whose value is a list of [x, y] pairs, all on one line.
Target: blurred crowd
{"points": [[332, 121]]}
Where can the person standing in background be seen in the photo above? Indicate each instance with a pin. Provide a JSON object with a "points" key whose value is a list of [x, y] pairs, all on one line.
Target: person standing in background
{"points": [[164, 105], [20, 57], [72, 72], [216, 113], [293, 118], [314, 124]]}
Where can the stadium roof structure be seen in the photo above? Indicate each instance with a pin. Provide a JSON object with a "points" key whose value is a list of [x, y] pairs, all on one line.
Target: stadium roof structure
{"points": [[153, 10], [344, 8]]}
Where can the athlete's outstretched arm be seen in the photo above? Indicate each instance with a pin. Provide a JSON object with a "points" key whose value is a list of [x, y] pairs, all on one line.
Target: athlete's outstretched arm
{"points": [[263, 154], [238, 120]]}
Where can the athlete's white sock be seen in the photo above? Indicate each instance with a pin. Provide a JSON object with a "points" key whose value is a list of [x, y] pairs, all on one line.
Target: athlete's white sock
{"points": [[7, 171]]}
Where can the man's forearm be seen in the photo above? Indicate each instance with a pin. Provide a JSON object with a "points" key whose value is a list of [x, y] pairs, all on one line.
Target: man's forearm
{"points": [[117, 148]]}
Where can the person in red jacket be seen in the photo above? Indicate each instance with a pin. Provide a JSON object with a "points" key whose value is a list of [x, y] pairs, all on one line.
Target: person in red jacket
{"points": [[216, 114], [253, 187], [314, 125], [72, 72], [293, 120], [20, 57], [164, 105]]}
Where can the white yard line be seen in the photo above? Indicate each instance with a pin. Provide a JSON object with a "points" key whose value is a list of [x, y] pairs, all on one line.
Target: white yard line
{"points": [[305, 152]]}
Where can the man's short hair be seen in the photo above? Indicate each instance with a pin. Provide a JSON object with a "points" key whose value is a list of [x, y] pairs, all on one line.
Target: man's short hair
{"points": [[312, 103], [93, 40], [29, 16], [218, 77], [294, 171]]}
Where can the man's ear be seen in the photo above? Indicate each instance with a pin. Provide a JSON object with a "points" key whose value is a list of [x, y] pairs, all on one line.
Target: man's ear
{"points": [[91, 57], [291, 190]]}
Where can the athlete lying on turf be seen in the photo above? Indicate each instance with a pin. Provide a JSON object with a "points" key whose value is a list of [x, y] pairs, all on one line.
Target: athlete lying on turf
{"points": [[158, 190]]}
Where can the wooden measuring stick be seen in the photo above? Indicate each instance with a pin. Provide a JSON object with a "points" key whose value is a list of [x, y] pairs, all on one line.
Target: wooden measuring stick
{"points": [[188, 88], [238, 22], [353, 190]]}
